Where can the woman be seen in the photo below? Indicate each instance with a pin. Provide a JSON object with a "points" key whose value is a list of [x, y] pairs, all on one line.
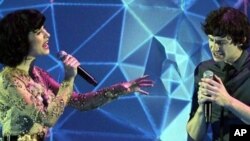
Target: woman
{"points": [[30, 100]]}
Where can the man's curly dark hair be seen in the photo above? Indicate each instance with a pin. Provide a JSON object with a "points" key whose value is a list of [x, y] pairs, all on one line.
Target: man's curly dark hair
{"points": [[228, 21], [14, 30]]}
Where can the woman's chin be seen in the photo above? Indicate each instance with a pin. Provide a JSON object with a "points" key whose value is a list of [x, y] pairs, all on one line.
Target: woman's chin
{"points": [[47, 51]]}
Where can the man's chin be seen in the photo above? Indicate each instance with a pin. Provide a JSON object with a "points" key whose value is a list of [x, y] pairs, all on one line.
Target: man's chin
{"points": [[217, 59]]}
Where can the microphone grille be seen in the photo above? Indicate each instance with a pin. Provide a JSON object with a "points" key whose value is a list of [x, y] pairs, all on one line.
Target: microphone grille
{"points": [[208, 74], [61, 54]]}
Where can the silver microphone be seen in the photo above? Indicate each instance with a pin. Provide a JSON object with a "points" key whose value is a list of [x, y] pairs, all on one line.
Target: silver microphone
{"points": [[208, 105]]}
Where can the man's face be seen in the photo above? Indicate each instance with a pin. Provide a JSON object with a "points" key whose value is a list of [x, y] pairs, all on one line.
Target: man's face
{"points": [[223, 49]]}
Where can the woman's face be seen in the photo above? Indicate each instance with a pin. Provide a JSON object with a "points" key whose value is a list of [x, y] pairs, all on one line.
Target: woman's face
{"points": [[39, 42]]}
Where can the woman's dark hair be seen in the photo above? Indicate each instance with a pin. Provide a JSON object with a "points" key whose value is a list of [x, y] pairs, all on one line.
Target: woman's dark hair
{"points": [[14, 30], [228, 21]]}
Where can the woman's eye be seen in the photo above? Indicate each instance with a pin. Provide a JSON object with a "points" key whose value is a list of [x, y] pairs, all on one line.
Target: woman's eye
{"points": [[38, 32]]}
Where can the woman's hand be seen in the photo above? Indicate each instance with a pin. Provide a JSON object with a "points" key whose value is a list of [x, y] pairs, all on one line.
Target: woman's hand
{"points": [[70, 66], [137, 84]]}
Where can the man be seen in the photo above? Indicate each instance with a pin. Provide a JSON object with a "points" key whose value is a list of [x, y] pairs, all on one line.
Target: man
{"points": [[228, 32]]}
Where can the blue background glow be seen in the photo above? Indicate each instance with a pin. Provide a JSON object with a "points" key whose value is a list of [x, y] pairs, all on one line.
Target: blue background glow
{"points": [[120, 40]]}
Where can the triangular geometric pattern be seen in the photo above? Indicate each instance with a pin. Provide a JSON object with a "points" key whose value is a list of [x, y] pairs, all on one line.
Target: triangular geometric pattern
{"points": [[119, 40]]}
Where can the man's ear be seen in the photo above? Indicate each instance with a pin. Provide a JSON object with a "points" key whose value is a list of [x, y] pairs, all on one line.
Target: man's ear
{"points": [[244, 39], [242, 42]]}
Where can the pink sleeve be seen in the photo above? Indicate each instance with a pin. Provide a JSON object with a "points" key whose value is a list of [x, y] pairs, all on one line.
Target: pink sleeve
{"points": [[90, 100], [50, 82]]}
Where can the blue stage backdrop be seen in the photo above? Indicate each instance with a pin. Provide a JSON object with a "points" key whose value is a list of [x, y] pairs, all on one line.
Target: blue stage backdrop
{"points": [[119, 40]]}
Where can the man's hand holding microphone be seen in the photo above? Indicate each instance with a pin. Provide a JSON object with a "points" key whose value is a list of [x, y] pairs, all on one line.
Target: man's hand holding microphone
{"points": [[212, 90]]}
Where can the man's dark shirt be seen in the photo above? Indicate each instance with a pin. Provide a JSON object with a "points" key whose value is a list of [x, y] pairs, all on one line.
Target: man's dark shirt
{"points": [[236, 82]]}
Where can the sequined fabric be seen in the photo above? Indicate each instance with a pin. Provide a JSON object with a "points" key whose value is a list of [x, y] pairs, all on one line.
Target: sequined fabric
{"points": [[31, 103], [27, 103], [96, 99]]}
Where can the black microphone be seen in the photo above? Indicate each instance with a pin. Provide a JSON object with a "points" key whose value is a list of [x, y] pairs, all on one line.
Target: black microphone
{"points": [[208, 105], [80, 71]]}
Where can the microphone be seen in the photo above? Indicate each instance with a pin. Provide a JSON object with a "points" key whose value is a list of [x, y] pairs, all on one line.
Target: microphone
{"points": [[80, 71], [208, 105]]}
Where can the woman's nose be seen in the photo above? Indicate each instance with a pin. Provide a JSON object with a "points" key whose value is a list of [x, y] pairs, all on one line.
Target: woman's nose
{"points": [[46, 33]]}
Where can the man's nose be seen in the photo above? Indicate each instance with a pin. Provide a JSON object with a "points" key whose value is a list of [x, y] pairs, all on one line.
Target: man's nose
{"points": [[214, 46]]}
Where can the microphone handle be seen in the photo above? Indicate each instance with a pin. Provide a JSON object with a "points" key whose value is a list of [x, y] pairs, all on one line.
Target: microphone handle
{"points": [[208, 105], [86, 76], [208, 111]]}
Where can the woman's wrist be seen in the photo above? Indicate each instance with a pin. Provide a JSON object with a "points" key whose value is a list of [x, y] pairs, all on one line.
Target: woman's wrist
{"points": [[69, 79]]}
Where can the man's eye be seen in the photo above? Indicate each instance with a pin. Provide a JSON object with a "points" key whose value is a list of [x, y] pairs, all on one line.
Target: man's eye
{"points": [[221, 43]]}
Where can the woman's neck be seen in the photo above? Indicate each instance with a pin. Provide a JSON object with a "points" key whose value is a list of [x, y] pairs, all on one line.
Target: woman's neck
{"points": [[27, 64]]}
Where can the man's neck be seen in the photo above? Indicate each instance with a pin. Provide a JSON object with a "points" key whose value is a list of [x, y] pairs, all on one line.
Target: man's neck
{"points": [[234, 58]]}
